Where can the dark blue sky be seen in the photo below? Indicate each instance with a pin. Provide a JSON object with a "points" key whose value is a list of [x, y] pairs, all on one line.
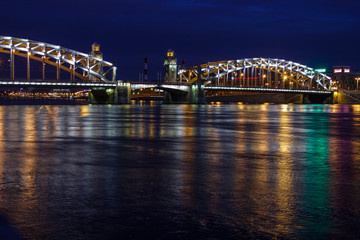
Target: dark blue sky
{"points": [[319, 33]]}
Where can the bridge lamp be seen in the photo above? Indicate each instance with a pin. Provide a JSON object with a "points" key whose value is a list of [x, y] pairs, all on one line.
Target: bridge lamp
{"points": [[109, 91]]}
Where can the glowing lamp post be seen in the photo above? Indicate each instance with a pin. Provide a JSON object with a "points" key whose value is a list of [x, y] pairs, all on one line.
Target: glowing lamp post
{"points": [[263, 80], [357, 83], [285, 77]]}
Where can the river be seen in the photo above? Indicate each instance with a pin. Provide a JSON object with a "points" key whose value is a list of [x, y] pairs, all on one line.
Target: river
{"points": [[181, 171]]}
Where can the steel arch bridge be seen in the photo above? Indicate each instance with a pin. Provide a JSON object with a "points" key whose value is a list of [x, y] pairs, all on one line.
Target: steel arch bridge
{"points": [[257, 72], [80, 65]]}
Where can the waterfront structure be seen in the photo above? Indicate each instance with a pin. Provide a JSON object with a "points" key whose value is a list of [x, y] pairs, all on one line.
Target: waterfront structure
{"points": [[145, 70], [257, 72], [96, 53], [344, 78], [82, 66], [189, 85], [170, 67]]}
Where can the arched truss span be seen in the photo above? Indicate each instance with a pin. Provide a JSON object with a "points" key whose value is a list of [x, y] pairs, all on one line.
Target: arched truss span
{"points": [[81, 65], [261, 72]]}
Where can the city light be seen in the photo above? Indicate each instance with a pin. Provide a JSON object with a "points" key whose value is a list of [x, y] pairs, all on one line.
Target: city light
{"points": [[321, 70], [357, 82]]}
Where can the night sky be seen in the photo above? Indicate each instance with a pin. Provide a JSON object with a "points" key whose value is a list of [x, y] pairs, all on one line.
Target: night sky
{"points": [[319, 33]]}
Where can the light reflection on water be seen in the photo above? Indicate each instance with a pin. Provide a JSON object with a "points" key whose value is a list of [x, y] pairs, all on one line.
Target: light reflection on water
{"points": [[181, 171]]}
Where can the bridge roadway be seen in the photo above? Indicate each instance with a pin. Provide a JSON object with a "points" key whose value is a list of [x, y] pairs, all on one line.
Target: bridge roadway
{"points": [[183, 87], [174, 92], [53, 84]]}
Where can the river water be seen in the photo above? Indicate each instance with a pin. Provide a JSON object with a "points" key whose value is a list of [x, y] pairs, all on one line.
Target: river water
{"points": [[181, 171]]}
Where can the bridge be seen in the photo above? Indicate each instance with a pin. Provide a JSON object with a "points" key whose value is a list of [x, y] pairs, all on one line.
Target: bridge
{"points": [[192, 93], [252, 75], [257, 72], [80, 65], [89, 71]]}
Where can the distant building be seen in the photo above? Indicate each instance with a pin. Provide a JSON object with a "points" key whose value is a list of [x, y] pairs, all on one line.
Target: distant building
{"points": [[95, 52], [343, 78], [170, 67]]}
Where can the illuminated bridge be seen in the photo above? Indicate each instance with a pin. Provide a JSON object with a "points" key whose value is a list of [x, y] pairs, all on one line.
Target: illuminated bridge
{"points": [[90, 71], [80, 65], [257, 72], [263, 78]]}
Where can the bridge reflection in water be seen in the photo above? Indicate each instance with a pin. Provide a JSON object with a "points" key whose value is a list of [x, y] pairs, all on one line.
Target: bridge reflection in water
{"points": [[185, 171]]}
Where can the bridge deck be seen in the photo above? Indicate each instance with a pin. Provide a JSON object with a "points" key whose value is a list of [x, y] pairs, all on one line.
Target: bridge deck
{"points": [[55, 84], [253, 89], [180, 87]]}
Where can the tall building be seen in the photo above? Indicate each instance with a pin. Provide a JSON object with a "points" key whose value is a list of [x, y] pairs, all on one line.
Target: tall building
{"points": [[343, 77], [95, 52], [170, 67]]}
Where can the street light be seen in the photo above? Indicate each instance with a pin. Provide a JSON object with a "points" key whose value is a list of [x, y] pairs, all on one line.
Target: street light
{"points": [[357, 83], [284, 81]]}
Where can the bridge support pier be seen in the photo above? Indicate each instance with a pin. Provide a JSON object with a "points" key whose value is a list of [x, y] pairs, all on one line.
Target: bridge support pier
{"points": [[120, 95], [318, 98], [198, 95], [99, 96], [194, 94]]}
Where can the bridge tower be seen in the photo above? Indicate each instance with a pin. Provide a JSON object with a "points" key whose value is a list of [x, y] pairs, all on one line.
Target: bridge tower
{"points": [[170, 67], [95, 52]]}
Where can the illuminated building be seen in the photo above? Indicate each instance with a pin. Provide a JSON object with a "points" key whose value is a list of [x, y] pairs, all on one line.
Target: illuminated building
{"points": [[342, 76], [95, 52], [170, 67]]}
